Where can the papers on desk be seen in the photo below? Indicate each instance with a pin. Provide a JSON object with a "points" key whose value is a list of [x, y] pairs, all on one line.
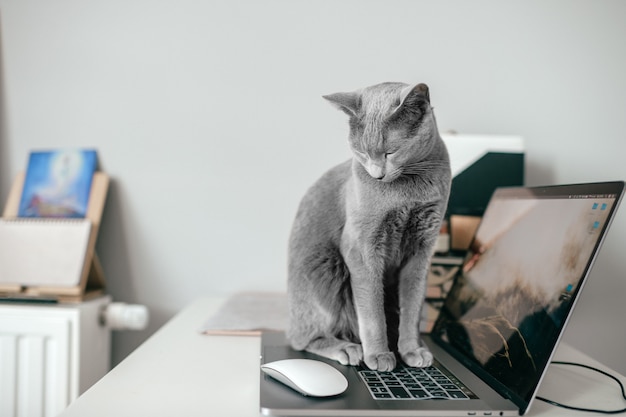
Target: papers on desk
{"points": [[248, 314]]}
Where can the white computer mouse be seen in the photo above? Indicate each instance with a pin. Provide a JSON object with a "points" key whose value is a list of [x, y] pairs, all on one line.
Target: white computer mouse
{"points": [[307, 376]]}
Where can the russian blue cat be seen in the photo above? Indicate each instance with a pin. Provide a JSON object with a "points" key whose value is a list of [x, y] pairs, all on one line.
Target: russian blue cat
{"points": [[364, 233]]}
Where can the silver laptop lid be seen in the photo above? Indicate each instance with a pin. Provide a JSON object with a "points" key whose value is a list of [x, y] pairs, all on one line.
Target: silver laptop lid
{"points": [[527, 264]]}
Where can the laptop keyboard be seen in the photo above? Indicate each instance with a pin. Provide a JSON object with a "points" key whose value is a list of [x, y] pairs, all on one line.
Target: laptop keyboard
{"points": [[405, 383]]}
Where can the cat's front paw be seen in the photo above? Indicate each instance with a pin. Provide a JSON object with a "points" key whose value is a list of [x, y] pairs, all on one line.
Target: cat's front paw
{"points": [[419, 358], [384, 361], [350, 354]]}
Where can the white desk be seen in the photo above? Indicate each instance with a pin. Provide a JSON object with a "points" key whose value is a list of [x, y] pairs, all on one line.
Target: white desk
{"points": [[180, 372]]}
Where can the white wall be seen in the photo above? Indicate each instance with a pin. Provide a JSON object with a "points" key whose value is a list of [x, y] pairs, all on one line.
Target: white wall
{"points": [[207, 115]]}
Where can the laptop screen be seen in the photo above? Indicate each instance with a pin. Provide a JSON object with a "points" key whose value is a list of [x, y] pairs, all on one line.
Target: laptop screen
{"points": [[507, 309]]}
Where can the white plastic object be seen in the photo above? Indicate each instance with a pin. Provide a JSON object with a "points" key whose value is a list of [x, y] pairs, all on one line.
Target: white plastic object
{"points": [[122, 316]]}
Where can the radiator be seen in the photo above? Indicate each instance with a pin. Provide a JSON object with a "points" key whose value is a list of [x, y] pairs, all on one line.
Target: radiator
{"points": [[49, 355]]}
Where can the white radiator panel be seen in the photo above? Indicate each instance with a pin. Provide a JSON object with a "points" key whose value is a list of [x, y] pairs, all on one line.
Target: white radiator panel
{"points": [[50, 354], [34, 366], [8, 373]]}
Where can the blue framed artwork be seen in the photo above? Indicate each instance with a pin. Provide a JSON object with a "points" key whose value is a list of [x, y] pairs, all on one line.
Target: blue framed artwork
{"points": [[58, 183]]}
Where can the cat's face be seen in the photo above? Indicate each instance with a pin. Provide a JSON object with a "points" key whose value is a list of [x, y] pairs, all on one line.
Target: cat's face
{"points": [[390, 127]]}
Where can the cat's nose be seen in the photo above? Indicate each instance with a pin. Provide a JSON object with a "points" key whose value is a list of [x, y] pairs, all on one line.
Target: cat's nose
{"points": [[376, 171]]}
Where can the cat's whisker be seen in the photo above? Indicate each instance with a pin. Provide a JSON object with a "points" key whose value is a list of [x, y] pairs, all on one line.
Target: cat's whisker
{"points": [[421, 167]]}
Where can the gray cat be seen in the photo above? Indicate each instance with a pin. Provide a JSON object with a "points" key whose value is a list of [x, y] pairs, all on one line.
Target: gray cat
{"points": [[364, 233]]}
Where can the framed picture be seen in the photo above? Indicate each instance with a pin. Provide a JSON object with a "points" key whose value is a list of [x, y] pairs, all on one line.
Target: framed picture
{"points": [[58, 183]]}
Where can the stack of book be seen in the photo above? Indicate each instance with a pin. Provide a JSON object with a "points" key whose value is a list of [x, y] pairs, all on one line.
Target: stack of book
{"points": [[443, 271]]}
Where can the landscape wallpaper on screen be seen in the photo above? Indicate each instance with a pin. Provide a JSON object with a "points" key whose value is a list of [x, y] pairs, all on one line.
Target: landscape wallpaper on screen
{"points": [[516, 288]]}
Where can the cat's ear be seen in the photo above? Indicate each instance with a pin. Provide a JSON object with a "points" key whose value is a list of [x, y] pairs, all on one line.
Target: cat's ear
{"points": [[347, 102], [419, 91], [412, 98]]}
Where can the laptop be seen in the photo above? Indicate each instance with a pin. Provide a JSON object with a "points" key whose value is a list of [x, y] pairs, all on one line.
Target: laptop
{"points": [[501, 321]]}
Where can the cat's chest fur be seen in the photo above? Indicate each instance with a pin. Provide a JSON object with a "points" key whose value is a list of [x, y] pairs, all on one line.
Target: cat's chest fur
{"points": [[401, 231], [391, 221]]}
